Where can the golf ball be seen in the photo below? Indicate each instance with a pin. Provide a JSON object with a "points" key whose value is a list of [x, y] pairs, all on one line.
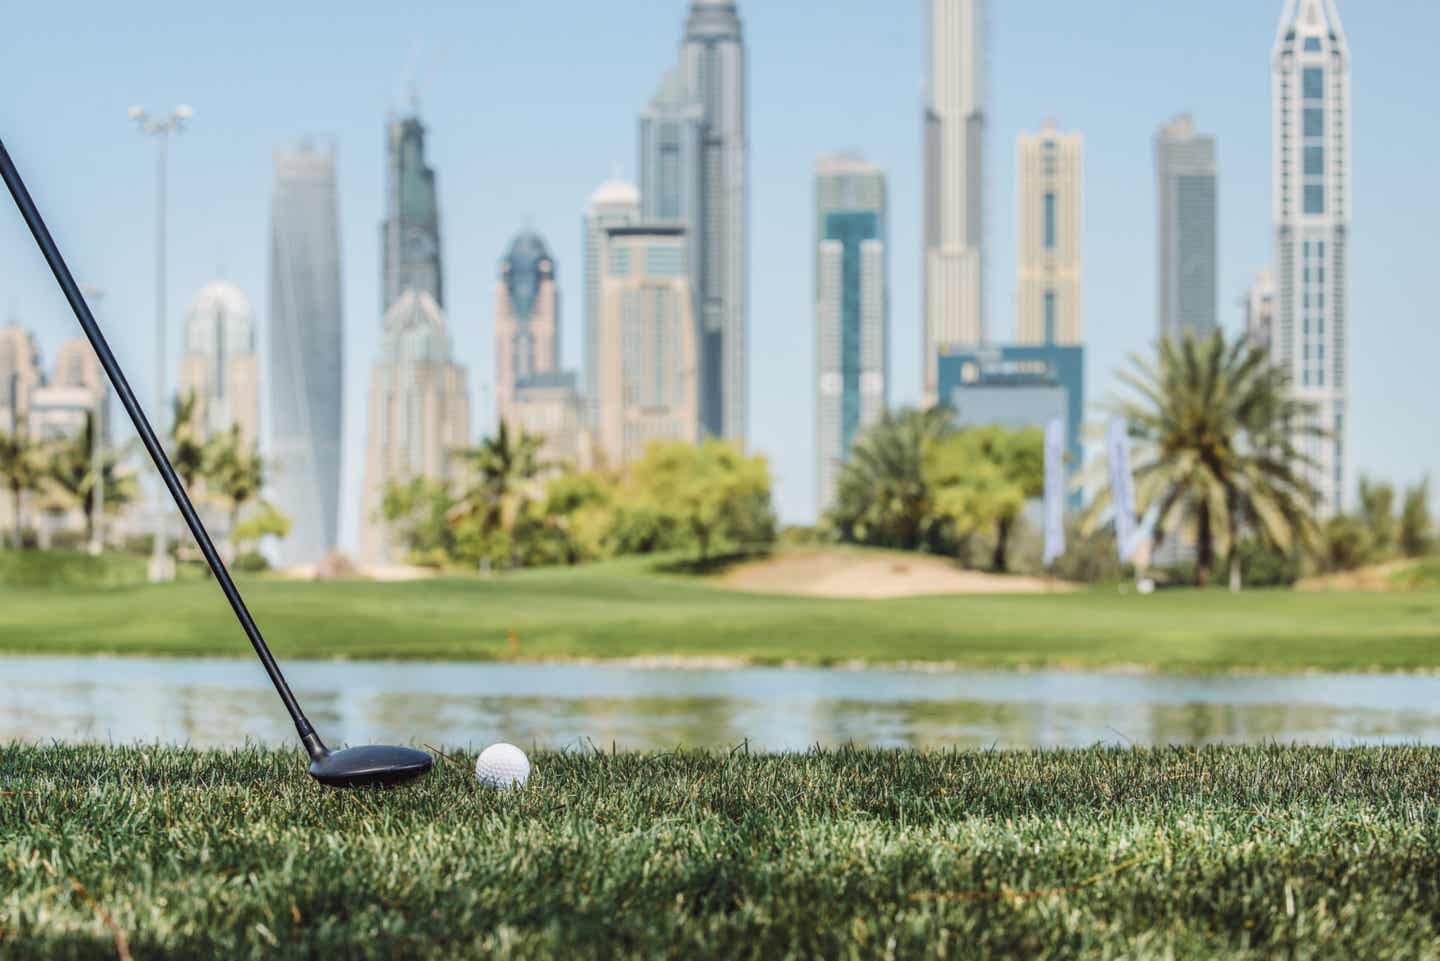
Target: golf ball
{"points": [[502, 766]]}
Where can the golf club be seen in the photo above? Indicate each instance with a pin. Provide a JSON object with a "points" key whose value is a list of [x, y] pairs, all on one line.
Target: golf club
{"points": [[351, 767]]}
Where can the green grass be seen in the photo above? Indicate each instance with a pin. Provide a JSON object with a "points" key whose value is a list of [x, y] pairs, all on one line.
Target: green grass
{"points": [[1243, 853], [76, 569], [624, 609]]}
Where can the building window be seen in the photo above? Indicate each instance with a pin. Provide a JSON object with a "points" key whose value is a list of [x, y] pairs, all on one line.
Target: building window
{"points": [[1314, 122], [1049, 316], [666, 261], [620, 261], [1315, 199], [1314, 83], [1312, 45], [1315, 161], [1050, 220]]}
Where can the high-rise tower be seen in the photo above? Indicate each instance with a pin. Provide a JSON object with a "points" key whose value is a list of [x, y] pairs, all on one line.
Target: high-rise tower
{"points": [[1310, 176], [527, 320], [410, 236], [614, 204], [1051, 182], [852, 309], [712, 63], [307, 351], [219, 368], [1186, 223], [954, 204]]}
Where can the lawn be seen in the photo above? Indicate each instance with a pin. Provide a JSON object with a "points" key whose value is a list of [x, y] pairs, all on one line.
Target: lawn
{"points": [[626, 609], [1237, 852]]}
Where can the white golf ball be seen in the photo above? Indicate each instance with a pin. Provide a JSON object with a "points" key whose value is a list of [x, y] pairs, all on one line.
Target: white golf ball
{"points": [[502, 766]]}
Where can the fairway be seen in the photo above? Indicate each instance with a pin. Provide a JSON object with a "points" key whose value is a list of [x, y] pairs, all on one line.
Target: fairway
{"points": [[1245, 852], [625, 610]]}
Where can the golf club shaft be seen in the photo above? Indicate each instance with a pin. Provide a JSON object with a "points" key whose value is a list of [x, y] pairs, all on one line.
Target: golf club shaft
{"points": [[152, 444]]}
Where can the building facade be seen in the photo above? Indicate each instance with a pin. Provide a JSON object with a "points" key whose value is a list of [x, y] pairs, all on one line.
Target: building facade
{"points": [[852, 309], [953, 185], [307, 351], [527, 320], [20, 375], [1017, 387], [219, 367], [1186, 230], [712, 80], [75, 394], [647, 370], [410, 236], [550, 407], [614, 204], [1051, 177], [1260, 311], [1311, 162], [419, 412]]}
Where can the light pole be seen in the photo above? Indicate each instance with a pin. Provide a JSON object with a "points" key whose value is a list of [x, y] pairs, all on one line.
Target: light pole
{"points": [[162, 566], [97, 462]]}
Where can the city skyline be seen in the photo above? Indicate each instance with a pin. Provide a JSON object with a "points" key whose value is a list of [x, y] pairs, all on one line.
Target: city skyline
{"points": [[1244, 258]]}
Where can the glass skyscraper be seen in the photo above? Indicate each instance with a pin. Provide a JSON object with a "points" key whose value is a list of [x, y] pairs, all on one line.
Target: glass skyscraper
{"points": [[410, 235], [694, 170], [307, 351], [1186, 230], [1310, 100], [851, 309]]}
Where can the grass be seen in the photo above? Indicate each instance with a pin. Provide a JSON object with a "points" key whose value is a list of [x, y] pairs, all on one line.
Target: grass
{"points": [[1245, 853], [625, 609], [76, 569]]}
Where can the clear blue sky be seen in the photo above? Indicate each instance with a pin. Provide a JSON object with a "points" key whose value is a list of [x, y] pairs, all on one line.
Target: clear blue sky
{"points": [[530, 106]]}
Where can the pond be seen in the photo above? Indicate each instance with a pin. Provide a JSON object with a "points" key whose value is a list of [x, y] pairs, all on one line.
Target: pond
{"points": [[227, 702]]}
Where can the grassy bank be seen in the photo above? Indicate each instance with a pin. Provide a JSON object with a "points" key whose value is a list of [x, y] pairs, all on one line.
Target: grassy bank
{"points": [[1245, 853], [626, 610]]}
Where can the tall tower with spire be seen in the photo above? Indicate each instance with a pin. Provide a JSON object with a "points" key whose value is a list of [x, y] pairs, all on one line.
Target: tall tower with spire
{"points": [[527, 320], [410, 235], [954, 208], [1310, 179]]}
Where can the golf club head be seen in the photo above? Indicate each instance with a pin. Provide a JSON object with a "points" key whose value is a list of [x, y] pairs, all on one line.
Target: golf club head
{"points": [[374, 764]]}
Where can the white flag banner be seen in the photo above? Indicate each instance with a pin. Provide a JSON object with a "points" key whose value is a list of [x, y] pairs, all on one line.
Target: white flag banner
{"points": [[1054, 490], [1122, 487]]}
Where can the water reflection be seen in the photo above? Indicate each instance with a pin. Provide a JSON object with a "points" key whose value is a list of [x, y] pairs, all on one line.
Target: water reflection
{"points": [[222, 702]]}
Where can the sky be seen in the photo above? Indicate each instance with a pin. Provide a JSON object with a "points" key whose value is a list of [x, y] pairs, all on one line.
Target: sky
{"points": [[531, 106]]}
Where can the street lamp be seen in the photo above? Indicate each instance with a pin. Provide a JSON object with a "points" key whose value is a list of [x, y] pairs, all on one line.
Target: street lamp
{"points": [[162, 566]]}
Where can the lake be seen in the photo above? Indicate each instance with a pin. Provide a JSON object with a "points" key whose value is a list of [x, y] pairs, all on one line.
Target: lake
{"points": [[208, 702]]}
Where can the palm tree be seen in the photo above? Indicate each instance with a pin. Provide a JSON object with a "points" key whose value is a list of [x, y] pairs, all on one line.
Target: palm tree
{"points": [[235, 473], [1215, 430], [21, 471], [187, 441], [882, 496], [504, 469], [74, 480]]}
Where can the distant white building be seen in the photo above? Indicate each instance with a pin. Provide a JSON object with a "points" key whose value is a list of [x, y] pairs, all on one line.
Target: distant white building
{"points": [[615, 203], [1311, 158], [1050, 228], [1186, 230], [219, 367]]}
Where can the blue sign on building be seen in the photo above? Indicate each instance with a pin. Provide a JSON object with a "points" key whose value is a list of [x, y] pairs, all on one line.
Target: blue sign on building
{"points": [[1017, 387]]}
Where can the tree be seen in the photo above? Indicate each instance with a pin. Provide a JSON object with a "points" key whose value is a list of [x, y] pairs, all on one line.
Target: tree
{"points": [[711, 492], [1349, 543], [503, 471], [1215, 431], [21, 470], [235, 473], [984, 476], [268, 521], [1417, 536], [882, 496], [1377, 507], [188, 450], [417, 510], [579, 508], [71, 470]]}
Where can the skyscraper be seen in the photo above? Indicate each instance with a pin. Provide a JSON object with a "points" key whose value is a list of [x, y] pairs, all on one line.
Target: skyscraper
{"points": [[307, 351], [1310, 103], [1186, 229], [219, 368], [1260, 311], [419, 411], [1051, 186], [954, 201], [20, 375], [712, 64], [648, 351], [615, 203], [527, 319], [410, 235], [852, 309]]}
